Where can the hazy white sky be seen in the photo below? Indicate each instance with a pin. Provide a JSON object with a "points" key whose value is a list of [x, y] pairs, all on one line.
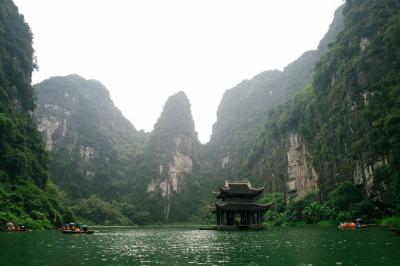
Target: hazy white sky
{"points": [[144, 51]]}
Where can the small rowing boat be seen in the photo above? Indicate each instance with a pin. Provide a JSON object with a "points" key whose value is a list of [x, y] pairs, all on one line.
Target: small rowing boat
{"points": [[73, 232], [351, 226], [73, 229]]}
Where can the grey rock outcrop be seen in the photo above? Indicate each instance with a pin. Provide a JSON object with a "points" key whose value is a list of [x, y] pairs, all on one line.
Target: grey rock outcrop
{"points": [[172, 146], [302, 177]]}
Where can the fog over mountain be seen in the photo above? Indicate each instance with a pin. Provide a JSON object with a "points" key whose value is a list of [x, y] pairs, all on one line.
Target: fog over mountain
{"points": [[145, 51]]}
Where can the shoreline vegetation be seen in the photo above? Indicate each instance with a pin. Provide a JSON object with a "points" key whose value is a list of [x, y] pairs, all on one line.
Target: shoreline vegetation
{"points": [[196, 226], [386, 222], [345, 204], [348, 116]]}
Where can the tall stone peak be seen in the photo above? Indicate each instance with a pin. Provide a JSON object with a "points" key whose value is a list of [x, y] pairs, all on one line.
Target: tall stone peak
{"points": [[335, 27], [176, 117], [172, 149]]}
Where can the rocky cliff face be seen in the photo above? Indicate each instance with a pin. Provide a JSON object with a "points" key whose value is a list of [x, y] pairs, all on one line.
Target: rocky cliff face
{"points": [[243, 109], [172, 146], [86, 134], [302, 177], [346, 121], [53, 123]]}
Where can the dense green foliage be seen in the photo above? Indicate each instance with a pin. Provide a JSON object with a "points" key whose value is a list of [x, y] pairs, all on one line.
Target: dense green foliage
{"points": [[346, 203], [26, 197], [242, 111], [343, 99], [356, 90], [36, 208], [391, 221], [105, 166], [349, 115], [95, 150]]}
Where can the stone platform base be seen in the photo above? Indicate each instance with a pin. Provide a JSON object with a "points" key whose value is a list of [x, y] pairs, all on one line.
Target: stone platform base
{"points": [[235, 227]]}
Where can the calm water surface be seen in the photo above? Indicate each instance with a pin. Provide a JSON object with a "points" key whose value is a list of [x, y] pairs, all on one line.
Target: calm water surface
{"points": [[144, 246]]}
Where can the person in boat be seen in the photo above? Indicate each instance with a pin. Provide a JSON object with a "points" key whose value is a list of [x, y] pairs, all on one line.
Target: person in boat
{"points": [[358, 223], [10, 226], [347, 225]]}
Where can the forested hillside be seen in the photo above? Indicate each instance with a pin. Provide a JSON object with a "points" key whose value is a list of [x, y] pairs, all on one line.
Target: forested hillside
{"points": [[94, 149], [344, 127], [26, 194], [243, 109], [110, 172], [324, 133]]}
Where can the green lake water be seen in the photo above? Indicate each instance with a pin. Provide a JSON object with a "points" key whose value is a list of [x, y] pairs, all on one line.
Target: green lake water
{"points": [[178, 246]]}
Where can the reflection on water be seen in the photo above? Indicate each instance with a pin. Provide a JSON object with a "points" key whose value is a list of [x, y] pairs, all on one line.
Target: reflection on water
{"points": [[143, 246]]}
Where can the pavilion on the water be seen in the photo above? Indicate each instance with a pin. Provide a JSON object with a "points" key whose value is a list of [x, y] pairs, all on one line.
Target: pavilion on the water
{"points": [[238, 207]]}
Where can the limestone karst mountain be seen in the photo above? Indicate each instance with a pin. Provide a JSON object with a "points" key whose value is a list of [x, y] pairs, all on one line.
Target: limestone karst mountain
{"points": [[94, 148], [330, 117], [102, 162], [173, 148], [344, 126], [80, 122], [244, 109], [26, 194]]}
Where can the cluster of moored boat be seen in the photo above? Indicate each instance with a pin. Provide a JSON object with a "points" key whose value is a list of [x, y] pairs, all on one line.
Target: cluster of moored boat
{"points": [[69, 228], [10, 227]]}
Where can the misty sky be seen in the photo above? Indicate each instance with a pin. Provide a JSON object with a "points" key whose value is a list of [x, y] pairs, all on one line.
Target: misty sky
{"points": [[144, 51]]}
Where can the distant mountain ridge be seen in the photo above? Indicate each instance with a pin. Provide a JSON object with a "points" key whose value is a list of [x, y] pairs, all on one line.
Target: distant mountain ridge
{"points": [[101, 161], [98, 157], [93, 146], [244, 108], [309, 128]]}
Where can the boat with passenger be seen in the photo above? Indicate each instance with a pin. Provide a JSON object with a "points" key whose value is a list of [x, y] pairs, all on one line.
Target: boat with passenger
{"points": [[350, 225], [74, 228]]}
